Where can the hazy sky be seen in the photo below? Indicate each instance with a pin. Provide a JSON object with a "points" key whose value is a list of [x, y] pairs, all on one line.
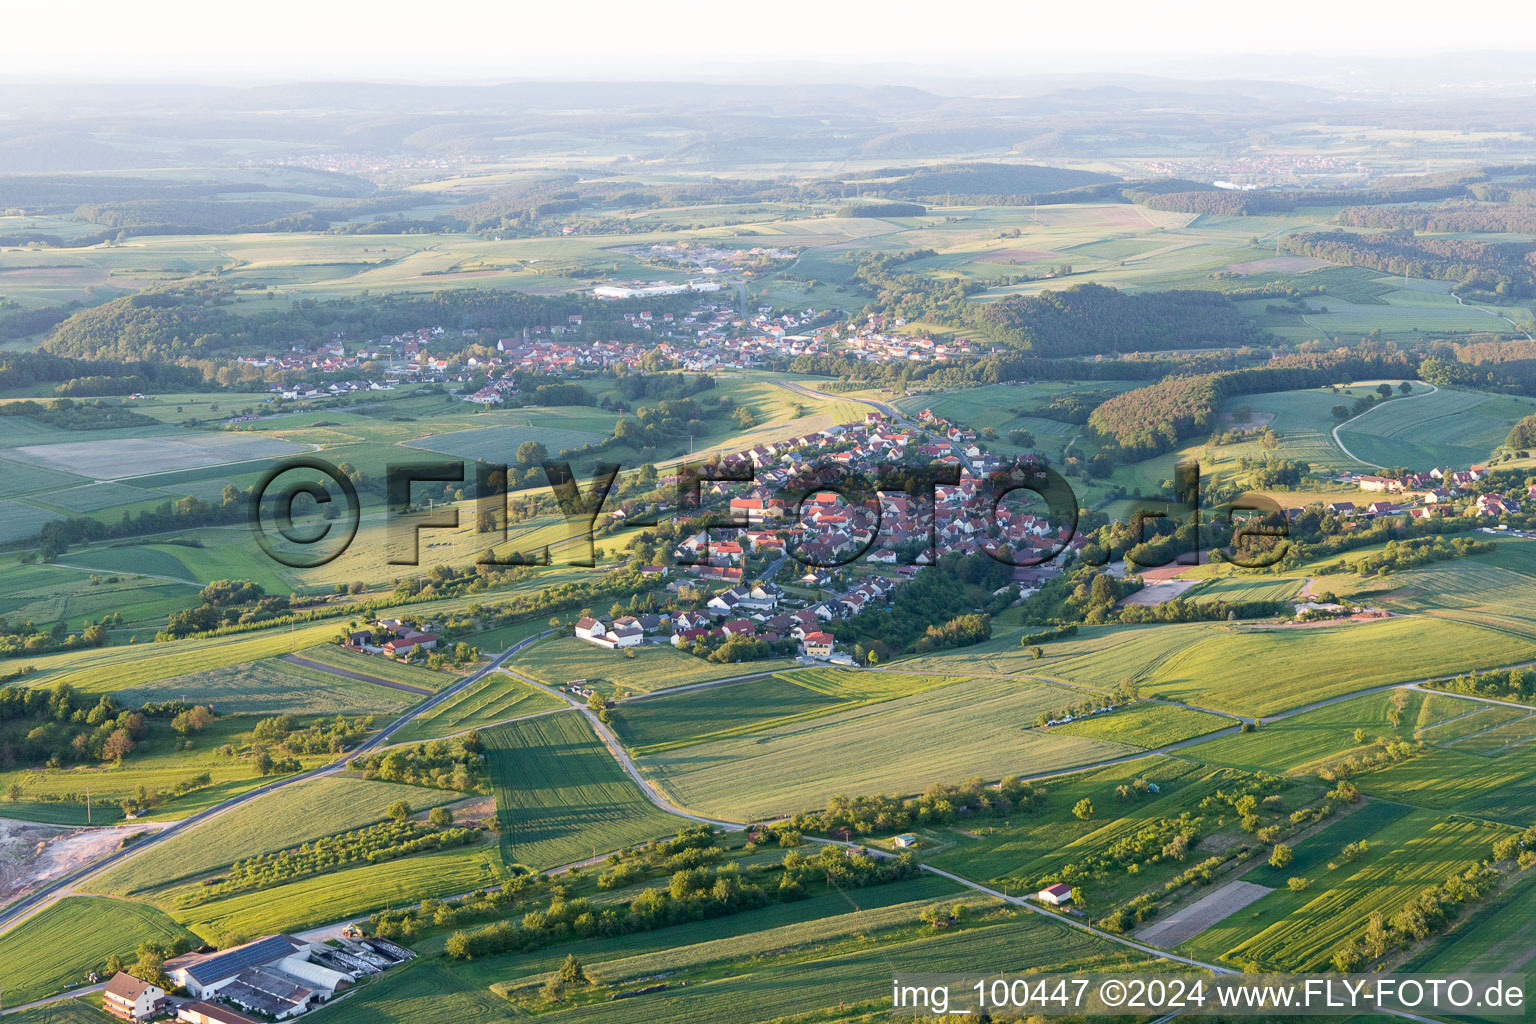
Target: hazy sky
{"points": [[507, 39]]}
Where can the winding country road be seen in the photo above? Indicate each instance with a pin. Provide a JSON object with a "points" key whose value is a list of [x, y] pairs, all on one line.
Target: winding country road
{"points": [[25, 907], [662, 803]]}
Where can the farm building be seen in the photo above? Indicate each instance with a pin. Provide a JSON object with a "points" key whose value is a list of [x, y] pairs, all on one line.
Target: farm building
{"points": [[905, 841], [128, 998], [405, 644], [1056, 895], [272, 976], [208, 1013], [623, 633]]}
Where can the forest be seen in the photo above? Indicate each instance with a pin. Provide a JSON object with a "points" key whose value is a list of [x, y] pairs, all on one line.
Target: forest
{"points": [[1090, 319], [1502, 269]]}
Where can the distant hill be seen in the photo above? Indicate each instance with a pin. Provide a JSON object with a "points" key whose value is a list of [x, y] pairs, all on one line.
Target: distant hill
{"points": [[979, 179]]}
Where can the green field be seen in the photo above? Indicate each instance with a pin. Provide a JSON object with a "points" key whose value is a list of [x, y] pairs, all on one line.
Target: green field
{"points": [[1498, 788], [1444, 427], [499, 444], [665, 722], [1472, 590], [1212, 664], [559, 660], [560, 795], [1497, 940], [1238, 589], [337, 895], [734, 981], [1303, 741], [376, 665], [1017, 851], [1310, 859], [273, 687], [495, 698], [830, 914], [108, 669], [161, 760], [292, 816], [1145, 724], [46, 594], [53, 951], [974, 727], [1299, 931], [1303, 665]]}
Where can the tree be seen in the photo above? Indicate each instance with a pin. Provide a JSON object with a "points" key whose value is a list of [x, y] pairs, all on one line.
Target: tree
{"points": [[399, 810], [264, 763], [1341, 412], [441, 817], [118, 746], [1405, 388], [1083, 809], [531, 453], [571, 971], [1377, 939], [554, 989], [1384, 390], [1297, 883], [1280, 856], [934, 916]]}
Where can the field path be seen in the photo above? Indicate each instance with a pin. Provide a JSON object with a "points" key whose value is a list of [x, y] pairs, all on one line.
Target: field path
{"points": [[664, 804], [1378, 405], [1490, 312], [22, 909], [142, 575], [347, 673]]}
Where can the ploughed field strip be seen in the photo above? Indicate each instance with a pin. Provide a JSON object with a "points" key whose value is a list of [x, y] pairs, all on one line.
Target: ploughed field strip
{"points": [[359, 676]]}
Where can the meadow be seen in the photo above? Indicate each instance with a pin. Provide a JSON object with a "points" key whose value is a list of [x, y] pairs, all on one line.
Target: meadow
{"points": [[160, 761], [277, 821], [1497, 940], [1145, 724], [1307, 664], [53, 951], [273, 686], [1497, 788], [1445, 427], [828, 913], [698, 716], [847, 977], [1470, 590], [495, 698], [559, 660], [1303, 741], [45, 594], [1299, 931], [375, 666], [338, 895], [1015, 852], [975, 727], [1213, 665], [560, 795], [1310, 859]]}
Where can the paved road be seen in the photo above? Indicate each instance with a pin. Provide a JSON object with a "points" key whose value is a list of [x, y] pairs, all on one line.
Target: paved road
{"points": [[25, 907]]}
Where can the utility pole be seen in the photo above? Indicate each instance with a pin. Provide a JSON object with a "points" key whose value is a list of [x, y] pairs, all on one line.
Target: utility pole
{"points": [[87, 805]]}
